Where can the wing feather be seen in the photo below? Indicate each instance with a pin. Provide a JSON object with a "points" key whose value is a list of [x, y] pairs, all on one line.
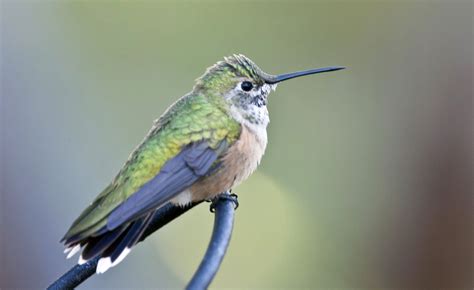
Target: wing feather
{"points": [[175, 176], [182, 146]]}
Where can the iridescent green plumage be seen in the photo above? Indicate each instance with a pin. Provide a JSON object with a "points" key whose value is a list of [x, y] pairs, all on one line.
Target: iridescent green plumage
{"points": [[193, 118]]}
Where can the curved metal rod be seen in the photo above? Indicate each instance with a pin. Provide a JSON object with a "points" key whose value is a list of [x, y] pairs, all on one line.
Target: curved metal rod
{"points": [[224, 205]]}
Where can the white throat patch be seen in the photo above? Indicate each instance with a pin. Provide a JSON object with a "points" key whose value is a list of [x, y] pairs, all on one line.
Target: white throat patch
{"points": [[249, 108]]}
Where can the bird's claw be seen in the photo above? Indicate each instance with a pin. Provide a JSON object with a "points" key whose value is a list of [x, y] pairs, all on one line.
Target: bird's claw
{"points": [[232, 197]]}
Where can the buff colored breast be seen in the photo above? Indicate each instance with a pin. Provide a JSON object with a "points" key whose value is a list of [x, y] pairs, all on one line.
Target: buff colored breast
{"points": [[237, 164]]}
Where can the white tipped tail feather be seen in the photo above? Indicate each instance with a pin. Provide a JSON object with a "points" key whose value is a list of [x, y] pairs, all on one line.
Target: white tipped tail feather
{"points": [[106, 262], [111, 246], [81, 260], [72, 251]]}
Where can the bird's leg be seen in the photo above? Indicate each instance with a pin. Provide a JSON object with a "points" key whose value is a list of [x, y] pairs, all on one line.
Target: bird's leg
{"points": [[226, 196]]}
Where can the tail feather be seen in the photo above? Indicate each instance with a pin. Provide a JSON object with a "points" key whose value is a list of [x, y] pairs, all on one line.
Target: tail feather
{"points": [[112, 246], [130, 238], [122, 246], [97, 245], [71, 251]]}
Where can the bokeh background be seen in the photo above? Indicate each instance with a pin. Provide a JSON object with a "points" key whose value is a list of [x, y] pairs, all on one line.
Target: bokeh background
{"points": [[366, 182]]}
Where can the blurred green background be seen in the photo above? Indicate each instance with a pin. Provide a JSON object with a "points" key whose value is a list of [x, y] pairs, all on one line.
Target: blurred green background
{"points": [[366, 180]]}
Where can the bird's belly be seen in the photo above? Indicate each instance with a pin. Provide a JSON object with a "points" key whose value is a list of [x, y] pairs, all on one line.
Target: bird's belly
{"points": [[238, 163]]}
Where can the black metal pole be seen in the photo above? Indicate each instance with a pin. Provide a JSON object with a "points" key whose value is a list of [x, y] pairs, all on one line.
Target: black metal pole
{"points": [[221, 234]]}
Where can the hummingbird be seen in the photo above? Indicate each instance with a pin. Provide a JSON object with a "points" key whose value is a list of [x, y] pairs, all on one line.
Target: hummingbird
{"points": [[206, 143]]}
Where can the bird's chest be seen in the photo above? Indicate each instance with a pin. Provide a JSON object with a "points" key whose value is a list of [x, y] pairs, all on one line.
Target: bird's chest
{"points": [[240, 160], [244, 156]]}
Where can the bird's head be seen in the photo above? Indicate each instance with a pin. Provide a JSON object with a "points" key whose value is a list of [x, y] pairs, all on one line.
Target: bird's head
{"points": [[244, 85]]}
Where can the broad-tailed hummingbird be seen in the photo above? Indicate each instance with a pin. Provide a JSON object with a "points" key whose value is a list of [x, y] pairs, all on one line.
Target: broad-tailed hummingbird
{"points": [[206, 143]]}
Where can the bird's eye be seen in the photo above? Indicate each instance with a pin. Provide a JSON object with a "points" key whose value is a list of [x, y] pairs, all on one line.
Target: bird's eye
{"points": [[246, 86]]}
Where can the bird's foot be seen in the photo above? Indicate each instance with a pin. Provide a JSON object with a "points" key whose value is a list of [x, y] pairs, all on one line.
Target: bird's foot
{"points": [[225, 196]]}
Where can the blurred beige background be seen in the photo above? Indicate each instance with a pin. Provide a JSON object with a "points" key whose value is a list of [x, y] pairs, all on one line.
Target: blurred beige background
{"points": [[366, 182]]}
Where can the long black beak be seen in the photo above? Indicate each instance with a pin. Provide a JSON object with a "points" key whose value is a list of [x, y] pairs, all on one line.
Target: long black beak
{"points": [[271, 79]]}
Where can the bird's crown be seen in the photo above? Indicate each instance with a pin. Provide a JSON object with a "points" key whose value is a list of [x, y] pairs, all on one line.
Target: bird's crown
{"points": [[226, 71]]}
